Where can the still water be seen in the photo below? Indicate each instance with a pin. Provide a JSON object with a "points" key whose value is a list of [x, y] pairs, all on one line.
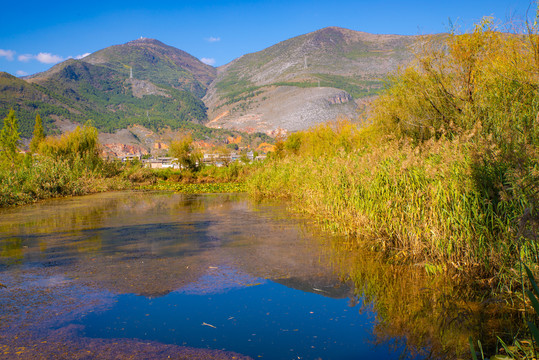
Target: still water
{"points": [[158, 275]]}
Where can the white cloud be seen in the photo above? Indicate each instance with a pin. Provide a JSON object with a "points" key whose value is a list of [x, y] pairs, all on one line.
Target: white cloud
{"points": [[25, 57], [44, 58], [78, 57], [21, 73], [208, 61], [48, 58], [213, 39], [8, 54]]}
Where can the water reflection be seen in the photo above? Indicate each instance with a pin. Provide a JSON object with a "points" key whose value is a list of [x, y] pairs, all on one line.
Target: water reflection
{"points": [[150, 269], [431, 315]]}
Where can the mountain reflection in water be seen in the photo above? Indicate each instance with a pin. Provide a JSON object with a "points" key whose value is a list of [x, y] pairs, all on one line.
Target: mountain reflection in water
{"points": [[212, 277]]}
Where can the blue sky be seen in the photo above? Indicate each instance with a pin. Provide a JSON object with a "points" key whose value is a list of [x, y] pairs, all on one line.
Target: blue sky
{"points": [[37, 34]]}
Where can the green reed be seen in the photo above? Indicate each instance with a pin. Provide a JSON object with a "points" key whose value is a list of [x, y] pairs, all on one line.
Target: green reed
{"points": [[45, 177], [434, 201], [444, 167]]}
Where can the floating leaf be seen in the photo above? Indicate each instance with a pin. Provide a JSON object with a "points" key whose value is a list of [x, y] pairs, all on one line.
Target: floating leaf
{"points": [[501, 357]]}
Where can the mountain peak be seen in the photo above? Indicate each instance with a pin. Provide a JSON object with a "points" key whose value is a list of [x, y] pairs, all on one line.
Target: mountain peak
{"points": [[333, 29], [329, 35], [144, 40]]}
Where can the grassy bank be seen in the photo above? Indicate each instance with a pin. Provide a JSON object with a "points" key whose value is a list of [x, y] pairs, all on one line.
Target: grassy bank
{"points": [[71, 166], [64, 166], [434, 204], [447, 172], [207, 179], [431, 202], [43, 177]]}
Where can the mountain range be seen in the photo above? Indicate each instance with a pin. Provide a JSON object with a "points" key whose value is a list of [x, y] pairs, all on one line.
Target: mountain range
{"points": [[144, 83]]}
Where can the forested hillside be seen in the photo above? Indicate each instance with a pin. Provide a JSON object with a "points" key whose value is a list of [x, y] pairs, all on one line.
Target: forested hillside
{"points": [[143, 82]]}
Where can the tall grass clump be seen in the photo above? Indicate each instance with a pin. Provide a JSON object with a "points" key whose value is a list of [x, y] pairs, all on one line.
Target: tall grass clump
{"points": [[420, 201], [446, 167], [69, 165], [486, 82], [78, 147]]}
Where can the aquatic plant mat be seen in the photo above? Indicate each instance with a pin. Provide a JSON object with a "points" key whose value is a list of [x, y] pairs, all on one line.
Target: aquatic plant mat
{"points": [[202, 188]]}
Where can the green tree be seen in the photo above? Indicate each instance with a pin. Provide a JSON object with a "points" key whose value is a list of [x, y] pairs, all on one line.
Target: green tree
{"points": [[9, 137], [224, 154], [38, 134], [459, 81], [183, 150]]}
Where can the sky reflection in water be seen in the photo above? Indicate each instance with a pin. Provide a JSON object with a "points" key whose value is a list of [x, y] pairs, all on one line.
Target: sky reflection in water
{"points": [[268, 320]]}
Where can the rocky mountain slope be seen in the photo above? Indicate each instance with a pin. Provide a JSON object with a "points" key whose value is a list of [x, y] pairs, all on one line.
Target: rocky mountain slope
{"points": [[304, 81]]}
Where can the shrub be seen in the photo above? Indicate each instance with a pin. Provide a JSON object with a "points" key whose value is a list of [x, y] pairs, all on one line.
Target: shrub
{"points": [[81, 145], [188, 157]]}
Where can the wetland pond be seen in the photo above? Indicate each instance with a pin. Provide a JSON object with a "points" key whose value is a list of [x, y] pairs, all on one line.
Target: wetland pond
{"points": [[151, 275]]}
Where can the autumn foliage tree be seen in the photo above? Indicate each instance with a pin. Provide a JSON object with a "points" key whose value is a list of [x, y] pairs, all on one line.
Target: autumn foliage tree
{"points": [[460, 80]]}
